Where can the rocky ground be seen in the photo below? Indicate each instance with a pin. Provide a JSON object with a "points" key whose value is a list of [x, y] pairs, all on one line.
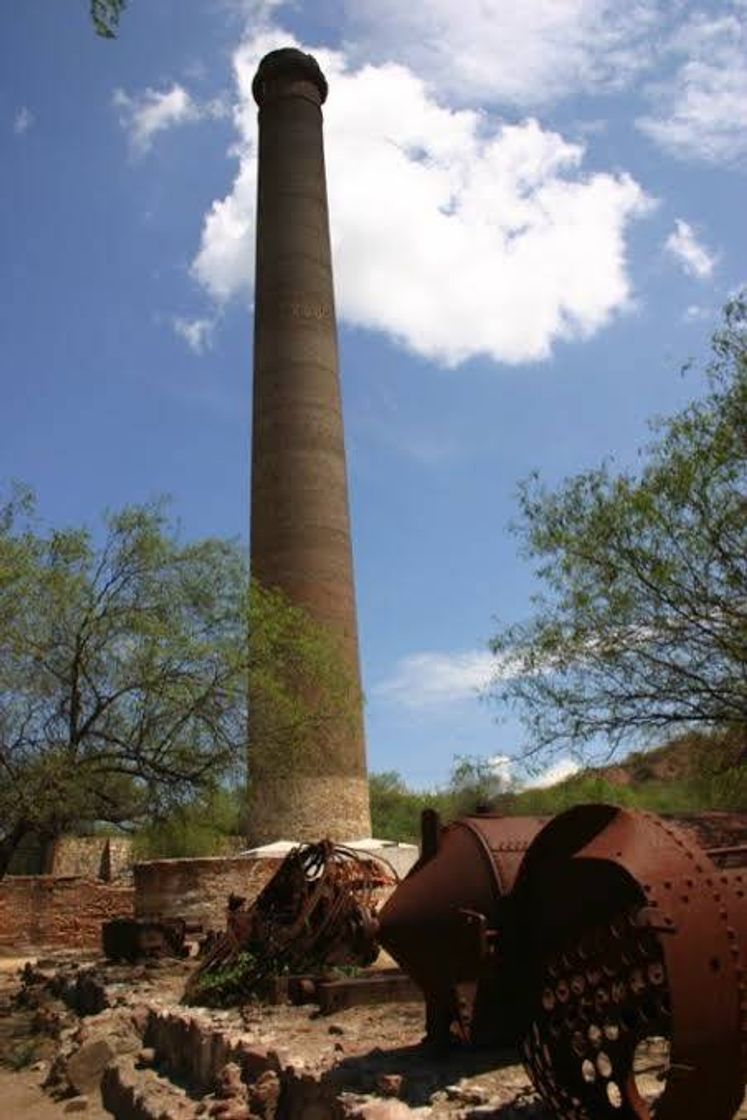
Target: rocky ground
{"points": [[101, 1040], [95, 1039]]}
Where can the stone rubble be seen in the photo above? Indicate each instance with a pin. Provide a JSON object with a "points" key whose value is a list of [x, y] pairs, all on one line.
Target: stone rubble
{"points": [[119, 1035]]}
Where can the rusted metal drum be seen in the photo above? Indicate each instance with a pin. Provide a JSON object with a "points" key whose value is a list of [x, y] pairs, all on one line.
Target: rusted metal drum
{"points": [[443, 924], [634, 941]]}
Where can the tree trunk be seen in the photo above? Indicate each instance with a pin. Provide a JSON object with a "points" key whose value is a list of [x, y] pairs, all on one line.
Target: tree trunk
{"points": [[9, 843]]}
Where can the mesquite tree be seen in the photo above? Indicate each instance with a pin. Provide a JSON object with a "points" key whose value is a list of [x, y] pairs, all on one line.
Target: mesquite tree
{"points": [[641, 623], [125, 661]]}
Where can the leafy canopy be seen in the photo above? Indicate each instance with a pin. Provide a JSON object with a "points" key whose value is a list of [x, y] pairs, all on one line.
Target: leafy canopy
{"points": [[641, 623], [124, 669], [105, 17]]}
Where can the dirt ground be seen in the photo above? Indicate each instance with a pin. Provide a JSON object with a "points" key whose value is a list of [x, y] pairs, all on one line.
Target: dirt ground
{"points": [[360, 1052], [367, 1058], [21, 1094], [22, 1098]]}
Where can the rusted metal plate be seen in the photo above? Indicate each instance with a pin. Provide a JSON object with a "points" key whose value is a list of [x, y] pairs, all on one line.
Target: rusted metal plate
{"points": [[442, 924], [426, 923], [601, 999], [380, 987]]}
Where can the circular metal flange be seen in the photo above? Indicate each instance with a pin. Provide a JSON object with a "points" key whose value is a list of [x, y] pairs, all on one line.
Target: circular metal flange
{"points": [[653, 919]]}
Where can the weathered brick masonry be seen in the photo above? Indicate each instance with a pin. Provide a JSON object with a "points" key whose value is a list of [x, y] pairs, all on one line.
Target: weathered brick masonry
{"points": [[300, 523], [45, 911]]}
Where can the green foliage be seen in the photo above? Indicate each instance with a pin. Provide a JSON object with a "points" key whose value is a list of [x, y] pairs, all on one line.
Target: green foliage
{"points": [[202, 826], [395, 809], [122, 668], [725, 792], [298, 686], [475, 783], [641, 625], [218, 987], [105, 17], [658, 797], [696, 773], [123, 673]]}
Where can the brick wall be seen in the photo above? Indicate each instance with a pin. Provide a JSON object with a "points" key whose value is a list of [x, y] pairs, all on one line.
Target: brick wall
{"points": [[44, 911], [198, 889]]}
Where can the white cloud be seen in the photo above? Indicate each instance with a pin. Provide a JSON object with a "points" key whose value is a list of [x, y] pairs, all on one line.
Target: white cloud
{"points": [[255, 11], [197, 333], [423, 680], [501, 766], [696, 313], [146, 114], [527, 53], [454, 233], [700, 112], [555, 772], [691, 254], [23, 120], [430, 679]]}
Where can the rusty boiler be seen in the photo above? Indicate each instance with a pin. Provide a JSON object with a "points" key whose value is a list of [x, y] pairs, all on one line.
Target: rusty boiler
{"points": [[609, 945]]}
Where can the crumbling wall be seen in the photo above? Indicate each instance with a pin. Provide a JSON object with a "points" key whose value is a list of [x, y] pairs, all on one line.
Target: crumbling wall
{"points": [[52, 912], [117, 859], [91, 857], [198, 889]]}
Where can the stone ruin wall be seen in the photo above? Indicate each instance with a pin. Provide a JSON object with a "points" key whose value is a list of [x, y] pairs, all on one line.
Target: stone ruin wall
{"points": [[91, 857], [53, 911], [198, 889]]}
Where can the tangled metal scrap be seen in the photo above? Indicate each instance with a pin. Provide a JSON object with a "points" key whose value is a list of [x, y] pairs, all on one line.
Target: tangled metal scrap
{"points": [[318, 910], [600, 942]]}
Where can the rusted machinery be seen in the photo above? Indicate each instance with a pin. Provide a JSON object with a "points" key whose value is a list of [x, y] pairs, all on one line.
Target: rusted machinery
{"points": [[316, 911], [608, 944], [446, 924]]}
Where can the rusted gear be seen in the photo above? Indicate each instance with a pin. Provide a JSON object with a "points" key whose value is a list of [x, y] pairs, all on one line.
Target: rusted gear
{"points": [[633, 934]]}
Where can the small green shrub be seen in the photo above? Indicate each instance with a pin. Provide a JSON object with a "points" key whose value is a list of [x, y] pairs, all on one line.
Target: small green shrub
{"points": [[219, 986]]}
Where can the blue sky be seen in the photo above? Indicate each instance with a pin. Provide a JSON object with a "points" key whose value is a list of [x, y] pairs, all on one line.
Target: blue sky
{"points": [[537, 212]]}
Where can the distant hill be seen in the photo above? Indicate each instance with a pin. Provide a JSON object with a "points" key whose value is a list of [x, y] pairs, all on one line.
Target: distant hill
{"points": [[682, 759], [692, 773]]}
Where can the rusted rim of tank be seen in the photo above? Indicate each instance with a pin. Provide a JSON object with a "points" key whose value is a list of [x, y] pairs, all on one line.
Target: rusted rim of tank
{"points": [[522, 831]]}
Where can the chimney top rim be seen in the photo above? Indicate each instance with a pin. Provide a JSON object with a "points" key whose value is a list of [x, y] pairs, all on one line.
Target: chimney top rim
{"points": [[288, 62]]}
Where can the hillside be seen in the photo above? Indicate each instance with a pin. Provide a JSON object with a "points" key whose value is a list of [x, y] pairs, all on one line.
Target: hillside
{"points": [[692, 773]]}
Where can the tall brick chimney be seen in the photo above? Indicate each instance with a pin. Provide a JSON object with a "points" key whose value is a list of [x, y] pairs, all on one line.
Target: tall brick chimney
{"points": [[300, 527]]}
